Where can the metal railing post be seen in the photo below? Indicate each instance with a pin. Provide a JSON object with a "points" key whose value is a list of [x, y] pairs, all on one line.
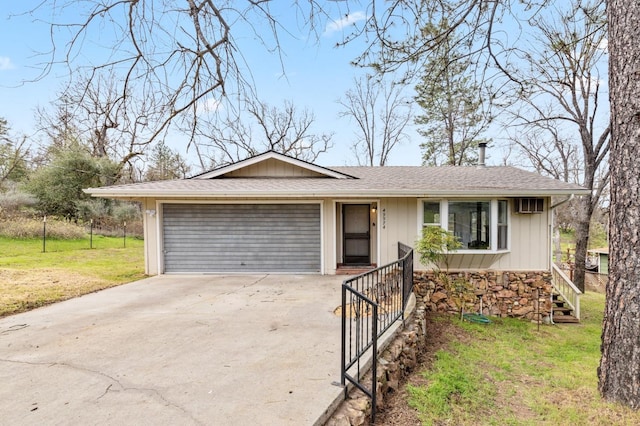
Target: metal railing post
{"points": [[374, 366], [344, 335]]}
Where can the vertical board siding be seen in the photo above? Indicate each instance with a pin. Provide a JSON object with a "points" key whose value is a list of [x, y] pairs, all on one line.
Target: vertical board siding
{"points": [[241, 237], [530, 243], [273, 168], [398, 223]]}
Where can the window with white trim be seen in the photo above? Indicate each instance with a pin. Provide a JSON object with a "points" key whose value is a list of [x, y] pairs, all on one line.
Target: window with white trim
{"points": [[431, 213], [477, 224], [503, 225]]}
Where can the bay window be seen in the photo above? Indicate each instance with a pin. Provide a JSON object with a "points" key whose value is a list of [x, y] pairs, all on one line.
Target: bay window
{"points": [[477, 224]]}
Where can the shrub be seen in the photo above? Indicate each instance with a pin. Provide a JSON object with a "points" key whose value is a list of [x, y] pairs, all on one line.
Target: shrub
{"points": [[93, 209], [21, 227], [434, 246], [14, 200], [127, 212]]}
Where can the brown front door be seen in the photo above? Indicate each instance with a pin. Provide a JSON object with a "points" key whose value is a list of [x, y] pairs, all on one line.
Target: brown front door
{"points": [[356, 242]]}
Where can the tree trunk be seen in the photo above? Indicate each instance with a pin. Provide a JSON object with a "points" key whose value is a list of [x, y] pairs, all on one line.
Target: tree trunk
{"points": [[619, 371], [585, 212]]}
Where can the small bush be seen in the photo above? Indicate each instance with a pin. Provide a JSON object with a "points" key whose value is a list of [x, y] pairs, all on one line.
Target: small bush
{"points": [[20, 227], [13, 201], [93, 209], [434, 246], [127, 212]]}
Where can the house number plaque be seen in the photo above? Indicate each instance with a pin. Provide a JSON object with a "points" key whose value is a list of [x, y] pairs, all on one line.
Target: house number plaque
{"points": [[384, 218]]}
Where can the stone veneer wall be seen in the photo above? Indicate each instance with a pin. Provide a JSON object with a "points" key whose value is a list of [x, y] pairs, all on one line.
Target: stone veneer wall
{"points": [[504, 294], [524, 295]]}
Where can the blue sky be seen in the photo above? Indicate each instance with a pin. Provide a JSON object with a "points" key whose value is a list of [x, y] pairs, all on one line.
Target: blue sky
{"points": [[317, 74]]}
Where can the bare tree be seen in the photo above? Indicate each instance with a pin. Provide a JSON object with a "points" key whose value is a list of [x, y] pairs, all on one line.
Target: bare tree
{"points": [[381, 114], [560, 124], [175, 55], [549, 151], [260, 128], [97, 114], [14, 152]]}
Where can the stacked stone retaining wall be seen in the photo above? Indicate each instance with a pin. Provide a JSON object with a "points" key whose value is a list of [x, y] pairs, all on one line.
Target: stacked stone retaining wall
{"points": [[524, 295], [395, 363]]}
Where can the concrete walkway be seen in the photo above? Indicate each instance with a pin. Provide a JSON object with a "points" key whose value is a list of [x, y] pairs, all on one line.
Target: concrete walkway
{"points": [[210, 350]]}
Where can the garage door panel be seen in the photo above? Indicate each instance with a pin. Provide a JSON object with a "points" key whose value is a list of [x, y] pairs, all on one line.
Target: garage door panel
{"points": [[290, 235], [241, 237]]}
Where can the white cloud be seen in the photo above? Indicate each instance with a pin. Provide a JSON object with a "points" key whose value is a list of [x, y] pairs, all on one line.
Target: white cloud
{"points": [[5, 63], [210, 105], [604, 44], [339, 25]]}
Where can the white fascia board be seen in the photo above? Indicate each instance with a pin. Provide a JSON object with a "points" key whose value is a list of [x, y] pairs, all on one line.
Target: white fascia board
{"points": [[133, 193]]}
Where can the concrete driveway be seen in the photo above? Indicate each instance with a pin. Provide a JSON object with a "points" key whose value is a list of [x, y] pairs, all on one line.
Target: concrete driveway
{"points": [[214, 350]]}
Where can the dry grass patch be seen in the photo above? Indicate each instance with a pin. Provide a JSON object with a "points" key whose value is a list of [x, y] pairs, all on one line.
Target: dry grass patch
{"points": [[22, 227], [30, 278], [21, 290]]}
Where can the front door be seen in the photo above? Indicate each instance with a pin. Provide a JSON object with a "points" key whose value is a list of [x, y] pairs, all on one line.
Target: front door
{"points": [[356, 243]]}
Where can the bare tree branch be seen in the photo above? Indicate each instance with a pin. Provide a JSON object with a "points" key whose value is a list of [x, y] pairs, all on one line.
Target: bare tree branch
{"points": [[560, 106], [287, 130], [381, 114]]}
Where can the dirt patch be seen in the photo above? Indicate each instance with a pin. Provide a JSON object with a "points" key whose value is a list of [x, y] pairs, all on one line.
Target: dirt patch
{"points": [[440, 332]]}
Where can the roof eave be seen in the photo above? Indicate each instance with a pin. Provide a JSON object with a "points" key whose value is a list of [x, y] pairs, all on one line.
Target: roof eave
{"points": [[134, 193]]}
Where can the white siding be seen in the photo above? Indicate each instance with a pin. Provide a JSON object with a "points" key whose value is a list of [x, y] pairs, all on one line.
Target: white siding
{"points": [[396, 220], [530, 242], [529, 239]]}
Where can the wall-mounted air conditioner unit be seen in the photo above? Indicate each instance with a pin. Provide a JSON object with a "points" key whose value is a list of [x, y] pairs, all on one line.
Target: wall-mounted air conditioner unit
{"points": [[529, 205]]}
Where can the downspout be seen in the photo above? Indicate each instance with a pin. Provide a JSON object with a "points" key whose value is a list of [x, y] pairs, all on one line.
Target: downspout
{"points": [[562, 202], [551, 209]]}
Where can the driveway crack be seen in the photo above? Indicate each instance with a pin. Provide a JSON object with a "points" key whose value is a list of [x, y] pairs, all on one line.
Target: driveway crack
{"points": [[262, 278], [109, 388], [15, 327]]}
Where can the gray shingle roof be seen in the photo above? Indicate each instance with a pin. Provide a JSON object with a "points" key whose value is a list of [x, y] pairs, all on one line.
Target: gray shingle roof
{"points": [[401, 181]]}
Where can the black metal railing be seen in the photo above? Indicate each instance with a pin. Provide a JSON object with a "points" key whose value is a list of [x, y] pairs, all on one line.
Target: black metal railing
{"points": [[371, 303], [405, 252]]}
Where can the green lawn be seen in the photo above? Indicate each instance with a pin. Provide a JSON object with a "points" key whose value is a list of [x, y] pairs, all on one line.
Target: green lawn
{"points": [[509, 373], [30, 278]]}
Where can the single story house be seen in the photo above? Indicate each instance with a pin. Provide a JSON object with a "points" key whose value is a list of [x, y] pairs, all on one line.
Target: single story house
{"points": [[274, 213]]}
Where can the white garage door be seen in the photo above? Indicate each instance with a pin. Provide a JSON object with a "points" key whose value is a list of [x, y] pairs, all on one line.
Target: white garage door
{"points": [[241, 238]]}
